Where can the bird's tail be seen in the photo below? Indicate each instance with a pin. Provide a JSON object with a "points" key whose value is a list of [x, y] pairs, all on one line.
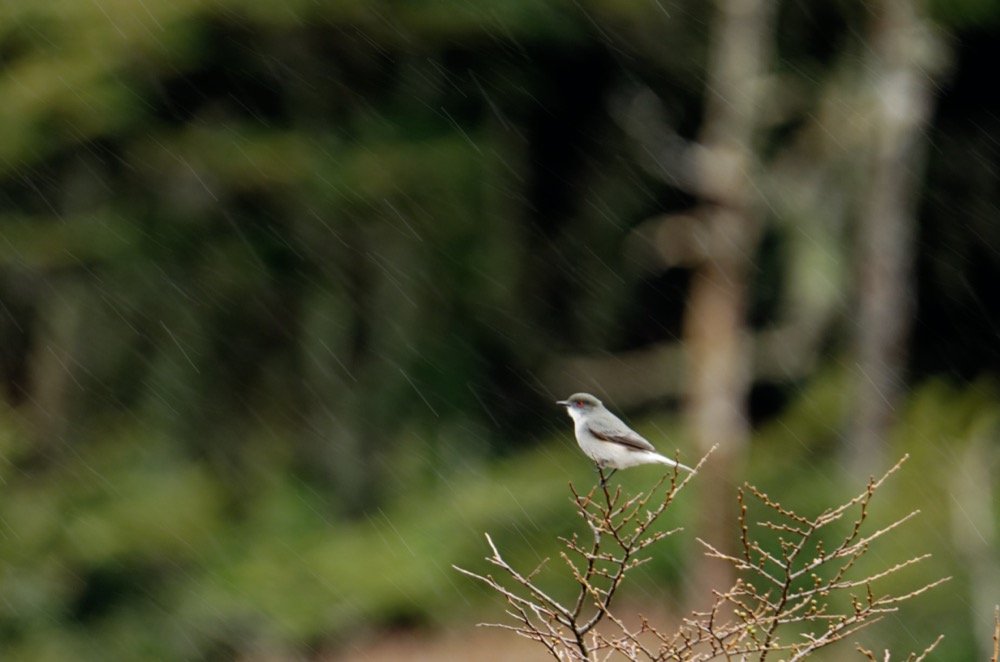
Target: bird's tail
{"points": [[662, 459]]}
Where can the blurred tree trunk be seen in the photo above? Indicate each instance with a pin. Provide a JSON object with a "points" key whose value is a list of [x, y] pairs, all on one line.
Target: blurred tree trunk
{"points": [[900, 88], [715, 331], [52, 384], [974, 531]]}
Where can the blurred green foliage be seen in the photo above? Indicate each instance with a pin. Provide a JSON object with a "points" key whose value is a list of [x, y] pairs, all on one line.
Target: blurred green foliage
{"points": [[139, 551], [276, 280]]}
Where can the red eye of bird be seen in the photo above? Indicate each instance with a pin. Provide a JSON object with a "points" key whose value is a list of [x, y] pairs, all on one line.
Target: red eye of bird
{"points": [[579, 403]]}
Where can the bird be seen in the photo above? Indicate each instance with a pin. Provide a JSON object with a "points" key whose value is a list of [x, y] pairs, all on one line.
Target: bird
{"points": [[608, 441]]}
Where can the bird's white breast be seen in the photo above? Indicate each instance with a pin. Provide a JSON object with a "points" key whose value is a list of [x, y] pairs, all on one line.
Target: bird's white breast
{"points": [[610, 454]]}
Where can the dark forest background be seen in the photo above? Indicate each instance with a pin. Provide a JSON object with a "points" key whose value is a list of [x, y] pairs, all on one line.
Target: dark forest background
{"points": [[288, 289]]}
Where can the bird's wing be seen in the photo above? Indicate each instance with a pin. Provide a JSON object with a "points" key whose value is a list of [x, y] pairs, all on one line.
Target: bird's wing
{"points": [[620, 434]]}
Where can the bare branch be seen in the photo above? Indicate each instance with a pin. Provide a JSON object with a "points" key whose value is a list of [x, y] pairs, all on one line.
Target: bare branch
{"points": [[996, 635], [744, 621]]}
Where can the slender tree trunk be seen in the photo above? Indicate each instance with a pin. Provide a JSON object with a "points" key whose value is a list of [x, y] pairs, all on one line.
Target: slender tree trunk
{"points": [[717, 341], [901, 91], [974, 531], [53, 372]]}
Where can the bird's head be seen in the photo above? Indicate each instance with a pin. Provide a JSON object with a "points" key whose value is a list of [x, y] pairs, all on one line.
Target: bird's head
{"points": [[579, 403]]}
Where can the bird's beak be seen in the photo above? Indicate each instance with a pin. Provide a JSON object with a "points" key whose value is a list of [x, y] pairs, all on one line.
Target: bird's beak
{"points": [[564, 403]]}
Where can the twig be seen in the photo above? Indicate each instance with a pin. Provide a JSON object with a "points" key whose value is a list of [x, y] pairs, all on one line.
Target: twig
{"points": [[996, 635]]}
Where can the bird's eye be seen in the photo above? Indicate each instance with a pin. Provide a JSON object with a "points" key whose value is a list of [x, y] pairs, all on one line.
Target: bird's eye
{"points": [[579, 403]]}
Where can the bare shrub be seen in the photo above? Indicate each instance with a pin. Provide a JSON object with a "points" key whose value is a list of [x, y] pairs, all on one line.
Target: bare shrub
{"points": [[794, 595]]}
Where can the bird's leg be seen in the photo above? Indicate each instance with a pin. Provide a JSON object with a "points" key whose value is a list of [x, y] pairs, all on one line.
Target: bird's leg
{"points": [[605, 479]]}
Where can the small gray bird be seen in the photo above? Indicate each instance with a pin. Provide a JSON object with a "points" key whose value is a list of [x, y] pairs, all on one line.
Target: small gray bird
{"points": [[607, 440]]}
